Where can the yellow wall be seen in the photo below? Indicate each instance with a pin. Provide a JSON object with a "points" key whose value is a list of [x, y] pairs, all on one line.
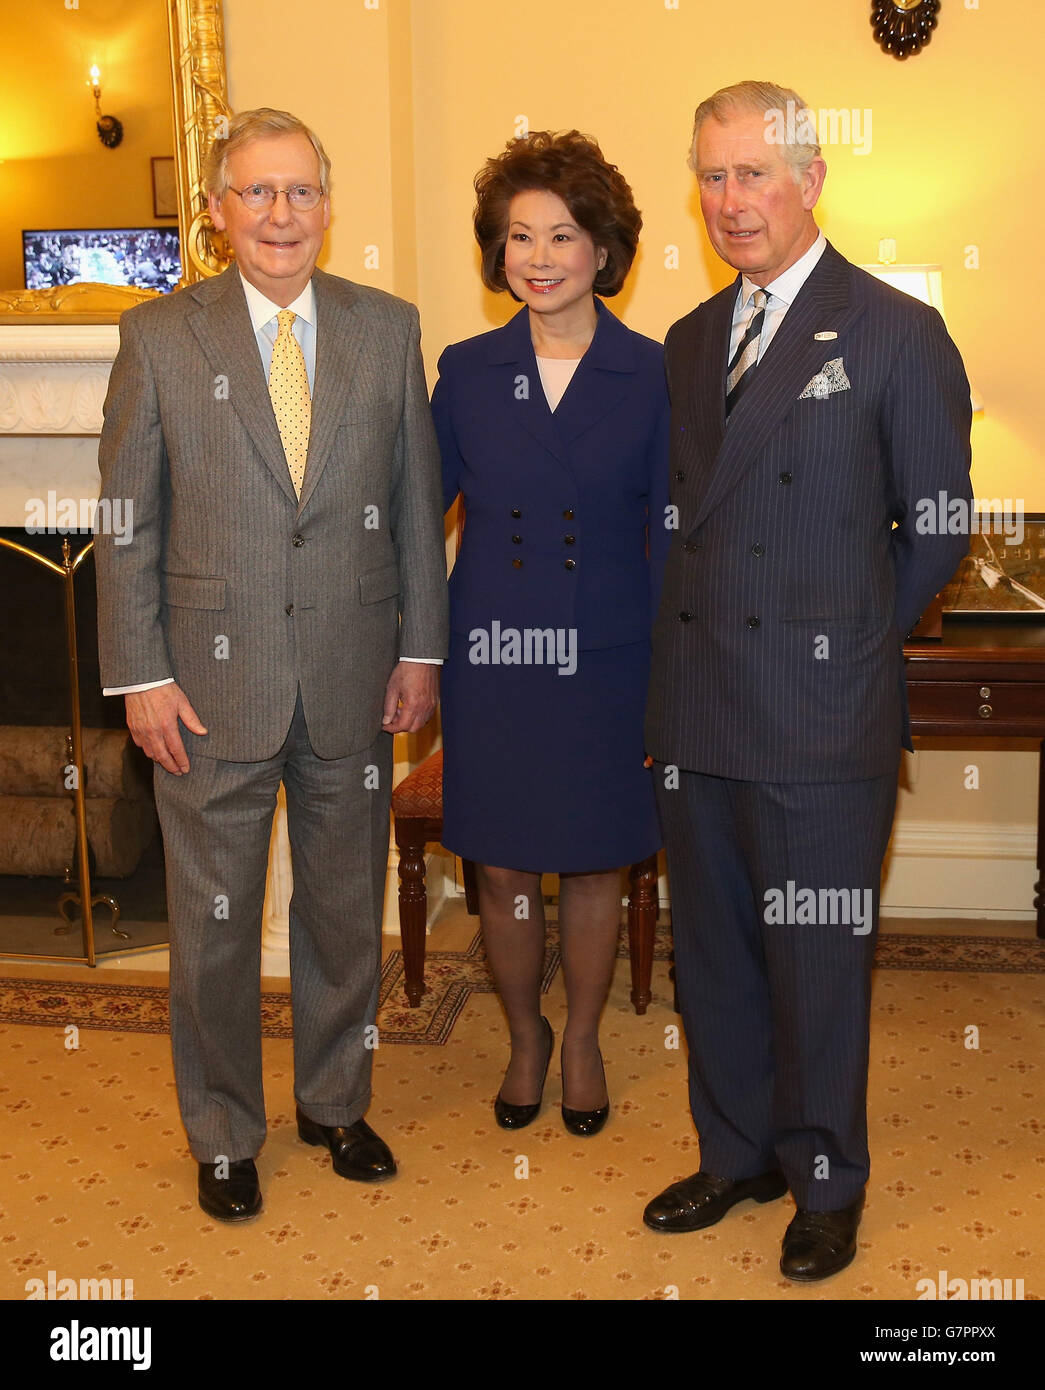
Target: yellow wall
{"points": [[329, 64], [54, 170], [411, 97], [955, 158]]}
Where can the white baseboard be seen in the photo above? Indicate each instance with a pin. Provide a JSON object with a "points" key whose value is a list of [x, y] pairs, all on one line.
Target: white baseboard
{"points": [[963, 840], [966, 869]]}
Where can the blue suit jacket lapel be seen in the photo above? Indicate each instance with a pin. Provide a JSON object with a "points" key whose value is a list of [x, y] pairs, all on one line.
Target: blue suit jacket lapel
{"points": [[791, 360], [598, 385], [591, 393], [511, 348]]}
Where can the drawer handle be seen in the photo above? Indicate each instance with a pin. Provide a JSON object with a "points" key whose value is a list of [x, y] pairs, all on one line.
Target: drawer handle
{"points": [[985, 711], [985, 692]]}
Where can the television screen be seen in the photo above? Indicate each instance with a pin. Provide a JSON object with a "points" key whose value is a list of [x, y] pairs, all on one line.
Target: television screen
{"points": [[149, 257]]}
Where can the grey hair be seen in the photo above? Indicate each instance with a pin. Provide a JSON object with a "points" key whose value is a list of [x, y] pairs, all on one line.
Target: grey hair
{"points": [[255, 125], [760, 98]]}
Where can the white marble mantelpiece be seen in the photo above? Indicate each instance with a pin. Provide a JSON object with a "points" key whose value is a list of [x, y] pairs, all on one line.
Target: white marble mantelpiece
{"points": [[53, 379]]}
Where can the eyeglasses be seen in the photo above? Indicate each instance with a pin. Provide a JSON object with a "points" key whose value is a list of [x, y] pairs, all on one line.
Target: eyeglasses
{"points": [[256, 196]]}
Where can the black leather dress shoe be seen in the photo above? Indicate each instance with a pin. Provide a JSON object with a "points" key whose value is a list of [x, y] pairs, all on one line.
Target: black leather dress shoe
{"points": [[510, 1116], [820, 1243], [702, 1199], [236, 1197], [357, 1152]]}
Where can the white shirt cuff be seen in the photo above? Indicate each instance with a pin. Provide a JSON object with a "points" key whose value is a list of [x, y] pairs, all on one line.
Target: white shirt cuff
{"points": [[424, 660], [133, 689]]}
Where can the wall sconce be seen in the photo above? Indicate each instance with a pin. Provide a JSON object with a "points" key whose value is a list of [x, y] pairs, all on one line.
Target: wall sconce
{"points": [[110, 129], [924, 282]]}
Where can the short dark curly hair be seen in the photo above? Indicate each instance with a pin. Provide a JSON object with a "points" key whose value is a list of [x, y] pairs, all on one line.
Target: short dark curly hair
{"points": [[571, 166]]}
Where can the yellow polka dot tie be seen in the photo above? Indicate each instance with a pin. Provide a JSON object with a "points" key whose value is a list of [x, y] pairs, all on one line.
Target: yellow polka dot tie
{"points": [[291, 402]]}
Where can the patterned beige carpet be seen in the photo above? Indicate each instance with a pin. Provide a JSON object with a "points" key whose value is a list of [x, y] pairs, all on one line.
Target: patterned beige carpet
{"points": [[102, 1001], [95, 1178]]}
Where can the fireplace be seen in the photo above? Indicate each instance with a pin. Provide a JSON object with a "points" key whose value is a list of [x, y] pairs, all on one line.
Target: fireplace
{"points": [[77, 819], [52, 383]]}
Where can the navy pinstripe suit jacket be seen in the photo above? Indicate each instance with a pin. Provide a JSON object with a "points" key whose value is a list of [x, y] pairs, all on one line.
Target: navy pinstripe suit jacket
{"points": [[796, 568]]}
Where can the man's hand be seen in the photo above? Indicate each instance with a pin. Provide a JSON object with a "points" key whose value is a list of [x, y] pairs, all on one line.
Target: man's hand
{"points": [[410, 697], [152, 717]]}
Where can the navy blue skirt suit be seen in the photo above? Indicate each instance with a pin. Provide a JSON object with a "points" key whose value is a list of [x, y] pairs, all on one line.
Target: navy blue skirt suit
{"points": [[544, 759]]}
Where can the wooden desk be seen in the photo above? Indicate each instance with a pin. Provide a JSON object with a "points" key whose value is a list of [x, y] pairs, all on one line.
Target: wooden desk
{"points": [[984, 680]]}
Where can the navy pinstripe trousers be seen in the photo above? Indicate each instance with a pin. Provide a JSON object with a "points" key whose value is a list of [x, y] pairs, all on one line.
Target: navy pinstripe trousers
{"points": [[774, 903]]}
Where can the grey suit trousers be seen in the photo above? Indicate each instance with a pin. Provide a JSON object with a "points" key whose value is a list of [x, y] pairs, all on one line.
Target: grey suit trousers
{"points": [[217, 823]]}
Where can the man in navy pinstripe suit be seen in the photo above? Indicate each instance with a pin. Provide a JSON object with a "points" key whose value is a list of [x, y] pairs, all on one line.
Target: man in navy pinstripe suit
{"points": [[812, 407]]}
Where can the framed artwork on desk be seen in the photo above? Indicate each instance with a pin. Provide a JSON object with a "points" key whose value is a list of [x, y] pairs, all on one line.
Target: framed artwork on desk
{"points": [[1003, 575]]}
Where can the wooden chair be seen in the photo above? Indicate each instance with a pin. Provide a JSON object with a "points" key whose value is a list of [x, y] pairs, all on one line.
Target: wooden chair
{"points": [[417, 808]]}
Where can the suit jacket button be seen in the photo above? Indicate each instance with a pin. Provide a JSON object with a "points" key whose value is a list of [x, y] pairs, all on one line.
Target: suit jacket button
{"points": [[758, 549], [289, 610], [517, 540], [568, 514], [516, 513], [516, 564], [753, 622], [690, 547], [680, 477], [298, 540], [784, 478], [570, 540], [570, 564], [684, 617]]}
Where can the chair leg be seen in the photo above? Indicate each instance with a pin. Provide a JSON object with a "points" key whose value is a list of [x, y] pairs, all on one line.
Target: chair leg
{"points": [[471, 888], [413, 905], [642, 925]]}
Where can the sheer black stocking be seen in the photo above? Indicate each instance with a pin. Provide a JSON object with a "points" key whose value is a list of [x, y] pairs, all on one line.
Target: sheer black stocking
{"points": [[589, 926], [511, 911]]}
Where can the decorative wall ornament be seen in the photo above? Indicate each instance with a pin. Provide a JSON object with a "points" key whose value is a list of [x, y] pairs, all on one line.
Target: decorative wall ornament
{"points": [[903, 27]]}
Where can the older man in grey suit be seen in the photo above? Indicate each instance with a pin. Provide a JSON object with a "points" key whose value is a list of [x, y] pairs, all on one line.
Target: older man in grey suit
{"points": [[813, 408], [278, 615]]}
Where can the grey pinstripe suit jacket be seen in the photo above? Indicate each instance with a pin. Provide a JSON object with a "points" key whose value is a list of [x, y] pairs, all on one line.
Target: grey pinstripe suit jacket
{"points": [[786, 533], [323, 593]]}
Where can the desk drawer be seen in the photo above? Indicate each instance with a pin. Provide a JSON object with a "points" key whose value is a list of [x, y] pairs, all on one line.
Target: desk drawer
{"points": [[1007, 702]]}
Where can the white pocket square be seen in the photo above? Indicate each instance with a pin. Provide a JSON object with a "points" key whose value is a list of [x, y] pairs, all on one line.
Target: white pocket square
{"points": [[826, 382]]}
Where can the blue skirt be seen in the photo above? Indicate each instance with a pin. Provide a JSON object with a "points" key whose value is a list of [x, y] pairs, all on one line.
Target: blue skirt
{"points": [[544, 772]]}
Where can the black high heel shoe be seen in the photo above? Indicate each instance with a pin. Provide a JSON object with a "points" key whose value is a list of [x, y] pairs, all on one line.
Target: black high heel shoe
{"points": [[583, 1122], [518, 1116]]}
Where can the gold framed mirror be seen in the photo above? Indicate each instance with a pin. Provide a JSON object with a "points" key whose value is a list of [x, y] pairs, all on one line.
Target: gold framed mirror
{"points": [[197, 66]]}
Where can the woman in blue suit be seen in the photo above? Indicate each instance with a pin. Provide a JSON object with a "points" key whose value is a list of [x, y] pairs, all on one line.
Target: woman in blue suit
{"points": [[554, 430]]}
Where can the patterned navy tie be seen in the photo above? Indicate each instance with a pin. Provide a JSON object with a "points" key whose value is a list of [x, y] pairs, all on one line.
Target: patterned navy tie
{"points": [[740, 372]]}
